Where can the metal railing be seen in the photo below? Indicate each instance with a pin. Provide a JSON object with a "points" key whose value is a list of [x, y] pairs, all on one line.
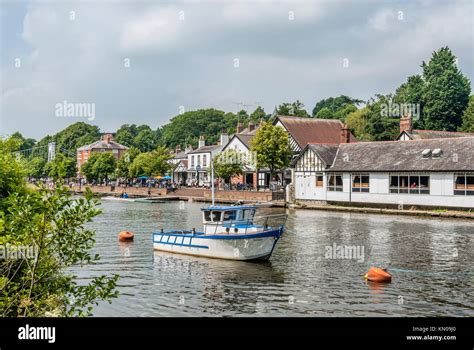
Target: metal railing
{"points": [[262, 221]]}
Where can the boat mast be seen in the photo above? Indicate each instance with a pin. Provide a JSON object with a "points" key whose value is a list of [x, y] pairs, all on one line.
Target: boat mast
{"points": [[212, 179]]}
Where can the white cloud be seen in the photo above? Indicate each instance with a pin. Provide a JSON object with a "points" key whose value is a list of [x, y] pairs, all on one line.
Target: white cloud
{"points": [[190, 62]]}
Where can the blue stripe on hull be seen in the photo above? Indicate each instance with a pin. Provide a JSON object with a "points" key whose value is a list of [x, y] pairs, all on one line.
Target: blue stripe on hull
{"points": [[272, 233]]}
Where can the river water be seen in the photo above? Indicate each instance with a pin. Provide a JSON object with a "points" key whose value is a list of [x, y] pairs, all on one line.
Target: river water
{"points": [[431, 261]]}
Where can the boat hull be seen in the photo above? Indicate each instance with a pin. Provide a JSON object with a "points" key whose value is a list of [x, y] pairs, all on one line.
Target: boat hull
{"points": [[257, 246]]}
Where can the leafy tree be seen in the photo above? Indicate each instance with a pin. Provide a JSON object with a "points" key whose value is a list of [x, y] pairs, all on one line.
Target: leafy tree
{"points": [[325, 113], [12, 171], [411, 93], [272, 148], [124, 136], [295, 109], [335, 107], [24, 143], [228, 164], [61, 167], [186, 128], [357, 122], [36, 168], [153, 163], [445, 93], [104, 166], [468, 117], [146, 140], [123, 165], [99, 166], [51, 225], [381, 127], [258, 114]]}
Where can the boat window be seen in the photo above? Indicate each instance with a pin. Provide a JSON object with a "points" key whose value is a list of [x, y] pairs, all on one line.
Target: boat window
{"points": [[247, 214], [229, 215], [213, 216]]}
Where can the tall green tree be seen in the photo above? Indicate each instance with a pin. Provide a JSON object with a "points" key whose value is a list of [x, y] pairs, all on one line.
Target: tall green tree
{"points": [[335, 107], [25, 143], [186, 128], [153, 163], [468, 117], [381, 127], [295, 109], [62, 167], [411, 93], [36, 168], [100, 166], [445, 93], [123, 165], [357, 122], [51, 226], [228, 164], [272, 148], [259, 114], [146, 140]]}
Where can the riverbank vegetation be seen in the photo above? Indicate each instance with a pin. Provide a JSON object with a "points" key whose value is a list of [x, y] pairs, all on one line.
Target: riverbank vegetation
{"points": [[43, 234]]}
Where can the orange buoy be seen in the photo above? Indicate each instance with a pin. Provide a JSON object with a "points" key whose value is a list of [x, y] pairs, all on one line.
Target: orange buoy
{"points": [[125, 236], [376, 274]]}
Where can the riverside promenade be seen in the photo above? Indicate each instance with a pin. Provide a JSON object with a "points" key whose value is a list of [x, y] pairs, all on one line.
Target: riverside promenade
{"points": [[189, 194], [205, 195]]}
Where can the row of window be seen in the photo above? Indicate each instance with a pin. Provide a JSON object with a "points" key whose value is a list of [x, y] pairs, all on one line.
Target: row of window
{"points": [[204, 160], [409, 184]]}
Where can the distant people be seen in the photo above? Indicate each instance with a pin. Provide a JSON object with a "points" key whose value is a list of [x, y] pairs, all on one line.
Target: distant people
{"points": [[413, 185]]}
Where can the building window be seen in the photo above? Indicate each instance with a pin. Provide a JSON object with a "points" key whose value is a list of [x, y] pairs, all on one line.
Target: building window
{"points": [[335, 183], [261, 179], [319, 180], [411, 184], [199, 160], [204, 160], [360, 183], [192, 161], [464, 184]]}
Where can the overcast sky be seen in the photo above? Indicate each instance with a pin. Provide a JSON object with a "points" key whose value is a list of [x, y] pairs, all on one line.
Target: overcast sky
{"points": [[139, 61]]}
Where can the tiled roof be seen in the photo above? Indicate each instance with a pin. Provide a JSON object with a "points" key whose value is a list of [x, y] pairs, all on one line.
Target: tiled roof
{"points": [[181, 155], [206, 149], [457, 155], [313, 130], [101, 144], [325, 152], [436, 134]]}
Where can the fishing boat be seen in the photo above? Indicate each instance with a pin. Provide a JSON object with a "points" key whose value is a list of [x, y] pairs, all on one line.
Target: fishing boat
{"points": [[229, 232]]}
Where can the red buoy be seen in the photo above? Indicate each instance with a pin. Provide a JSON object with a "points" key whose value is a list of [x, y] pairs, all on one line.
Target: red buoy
{"points": [[125, 236], [376, 274]]}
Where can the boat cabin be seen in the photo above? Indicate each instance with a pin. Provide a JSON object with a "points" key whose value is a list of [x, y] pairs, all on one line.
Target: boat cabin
{"points": [[226, 219]]}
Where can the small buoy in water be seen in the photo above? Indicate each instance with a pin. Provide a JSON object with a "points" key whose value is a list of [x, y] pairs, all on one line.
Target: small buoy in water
{"points": [[376, 274], [125, 236]]}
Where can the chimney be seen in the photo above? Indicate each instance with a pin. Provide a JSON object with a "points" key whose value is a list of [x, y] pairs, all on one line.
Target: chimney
{"points": [[224, 138], [188, 149], [107, 137], [251, 126], [345, 135], [178, 149], [202, 142], [240, 127], [406, 124]]}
